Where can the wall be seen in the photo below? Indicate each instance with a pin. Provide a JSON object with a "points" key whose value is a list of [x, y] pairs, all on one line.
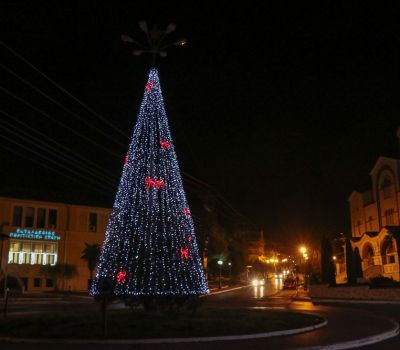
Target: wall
{"points": [[354, 292], [72, 227]]}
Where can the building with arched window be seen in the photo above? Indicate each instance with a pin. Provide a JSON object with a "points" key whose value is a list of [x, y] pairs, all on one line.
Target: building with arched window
{"points": [[375, 220]]}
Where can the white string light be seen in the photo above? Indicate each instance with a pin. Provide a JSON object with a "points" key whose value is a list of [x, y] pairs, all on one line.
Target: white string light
{"points": [[150, 246]]}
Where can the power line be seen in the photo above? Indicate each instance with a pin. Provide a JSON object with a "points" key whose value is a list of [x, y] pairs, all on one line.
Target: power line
{"points": [[48, 148], [222, 199], [62, 89], [20, 99], [12, 150], [75, 155], [64, 108], [77, 100], [52, 161]]}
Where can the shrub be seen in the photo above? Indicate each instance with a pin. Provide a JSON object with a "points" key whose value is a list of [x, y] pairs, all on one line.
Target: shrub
{"points": [[383, 282]]}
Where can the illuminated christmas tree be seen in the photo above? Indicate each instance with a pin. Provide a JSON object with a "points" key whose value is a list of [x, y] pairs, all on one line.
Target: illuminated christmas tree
{"points": [[150, 246]]}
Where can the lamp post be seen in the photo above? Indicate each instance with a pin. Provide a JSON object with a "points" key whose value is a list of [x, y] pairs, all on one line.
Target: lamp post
{"points": [[303, 258], [220, 262], [230, 273]]}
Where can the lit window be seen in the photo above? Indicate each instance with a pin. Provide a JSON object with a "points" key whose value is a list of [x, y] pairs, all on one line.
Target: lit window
{"points": [[33, 253]]}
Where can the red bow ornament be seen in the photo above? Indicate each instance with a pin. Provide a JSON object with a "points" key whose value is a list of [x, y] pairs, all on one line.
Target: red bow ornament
{"points": [[165, 145], [184, 253], [160, 184], [152, 182], [121, 277], [148, 86]]}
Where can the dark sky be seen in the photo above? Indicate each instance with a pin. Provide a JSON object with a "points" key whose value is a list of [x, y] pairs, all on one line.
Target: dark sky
{"points": [[284, 110]]}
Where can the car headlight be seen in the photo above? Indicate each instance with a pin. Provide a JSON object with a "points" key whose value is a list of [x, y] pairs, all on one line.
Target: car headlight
{"points": [[262, 282], [255, 282]]}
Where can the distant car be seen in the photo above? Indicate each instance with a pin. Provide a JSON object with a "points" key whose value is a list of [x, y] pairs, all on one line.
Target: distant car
{"points": [[289, 283], [258, 282]]}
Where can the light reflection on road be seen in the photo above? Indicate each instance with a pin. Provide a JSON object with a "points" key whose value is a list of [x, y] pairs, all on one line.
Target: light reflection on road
{"points": [[278, 283], [271, 287], [258, 292]]}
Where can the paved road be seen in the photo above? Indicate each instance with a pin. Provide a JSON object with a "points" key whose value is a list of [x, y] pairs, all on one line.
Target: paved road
{"points": [[345, 323]]}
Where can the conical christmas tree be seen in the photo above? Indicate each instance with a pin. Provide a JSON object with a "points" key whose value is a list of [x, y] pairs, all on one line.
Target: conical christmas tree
{"points": [[150, 246]]}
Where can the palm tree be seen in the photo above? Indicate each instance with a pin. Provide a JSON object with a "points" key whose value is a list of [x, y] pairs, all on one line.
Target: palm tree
{"points": [[91, 254], [61, 271]]}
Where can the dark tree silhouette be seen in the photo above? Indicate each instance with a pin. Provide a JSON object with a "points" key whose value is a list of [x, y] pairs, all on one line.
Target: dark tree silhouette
{"points": [[91, 255], [357, 264], [327, 263], [350, 263], [60, 271]]}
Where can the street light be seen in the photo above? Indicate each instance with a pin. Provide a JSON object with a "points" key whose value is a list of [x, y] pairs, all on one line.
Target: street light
{"points": [[220, 262], [230, 274], [303, 250]]}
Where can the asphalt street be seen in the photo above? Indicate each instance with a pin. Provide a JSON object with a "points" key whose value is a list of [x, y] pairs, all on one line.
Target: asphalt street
{"points": [[345, 323]]}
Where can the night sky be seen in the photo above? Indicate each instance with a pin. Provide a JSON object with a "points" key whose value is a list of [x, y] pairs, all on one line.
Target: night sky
{"points": [[283, 110]]}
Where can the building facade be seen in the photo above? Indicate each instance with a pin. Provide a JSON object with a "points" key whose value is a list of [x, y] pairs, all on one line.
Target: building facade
{"points": [[255, 248], [46, 233], [375, 220]]}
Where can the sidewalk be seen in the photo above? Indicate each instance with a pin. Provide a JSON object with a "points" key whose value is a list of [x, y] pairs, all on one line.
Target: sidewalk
{"points": [[302, 295]]}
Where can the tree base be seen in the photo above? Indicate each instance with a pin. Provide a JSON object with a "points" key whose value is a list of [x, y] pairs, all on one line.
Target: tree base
{"points": [[165, 304]]}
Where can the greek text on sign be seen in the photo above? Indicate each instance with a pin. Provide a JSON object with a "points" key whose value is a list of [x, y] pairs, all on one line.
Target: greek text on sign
{"points": [[35, 234]]}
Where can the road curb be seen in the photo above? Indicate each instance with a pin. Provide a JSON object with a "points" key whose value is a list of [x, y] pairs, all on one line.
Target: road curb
{"points": [[323, 323], [352, 301], [351, 344], [223, 291], [28, 300], [301, 299]]}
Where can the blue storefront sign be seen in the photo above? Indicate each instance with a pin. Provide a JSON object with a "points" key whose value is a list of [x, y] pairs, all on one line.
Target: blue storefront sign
{"points": [[35, 234]]}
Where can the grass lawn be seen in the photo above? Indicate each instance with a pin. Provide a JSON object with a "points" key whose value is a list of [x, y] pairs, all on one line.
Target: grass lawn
{"points": [[137, 324]]}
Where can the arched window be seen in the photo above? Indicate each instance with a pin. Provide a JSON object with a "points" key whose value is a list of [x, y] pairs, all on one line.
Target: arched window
{"points": [[389, 216], [387, 187], [368, 254], [387, 251]]}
